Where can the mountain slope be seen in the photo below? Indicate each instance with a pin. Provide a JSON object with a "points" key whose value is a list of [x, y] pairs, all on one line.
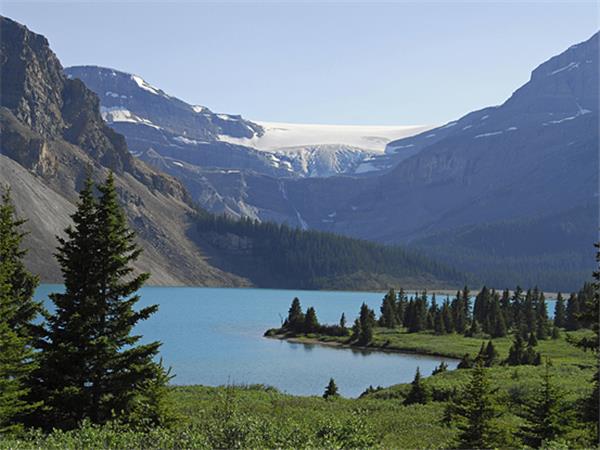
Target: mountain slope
{"points": [[52, 136], [532, 157]]}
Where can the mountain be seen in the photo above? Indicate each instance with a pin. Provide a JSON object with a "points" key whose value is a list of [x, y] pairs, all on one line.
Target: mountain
{"points": [[531, 159], [217, 156], [151, 119], [53, 136]]}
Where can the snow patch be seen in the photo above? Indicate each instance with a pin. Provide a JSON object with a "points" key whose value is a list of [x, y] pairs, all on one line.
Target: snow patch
{"points": [[572, 65], [449, 125], [177, 163], [145, 86], [485, 117], [493, 133], [467, 127], [511, 129], [184, 140], [198, 108], [119, 114]]}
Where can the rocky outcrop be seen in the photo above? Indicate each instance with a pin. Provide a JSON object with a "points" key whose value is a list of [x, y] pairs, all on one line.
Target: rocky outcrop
{"points": [[53, 136]]}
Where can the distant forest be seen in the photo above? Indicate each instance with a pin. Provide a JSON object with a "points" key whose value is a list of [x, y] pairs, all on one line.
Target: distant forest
{"points": [[280, 256]]}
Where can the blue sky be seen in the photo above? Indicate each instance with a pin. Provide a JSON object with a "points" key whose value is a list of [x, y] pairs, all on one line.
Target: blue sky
{"points": [[341, 63]]}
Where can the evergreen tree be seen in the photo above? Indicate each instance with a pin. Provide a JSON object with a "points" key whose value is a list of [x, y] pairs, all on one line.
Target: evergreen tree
{"points": [[543, 328], [572, 313], [401, 308], [466, 362], [418, 393], [590, 313], [490, 355], [91, 365], [18, 311], [447, 316], [546, 417], [331, 391], [499, 329], [439, 327], [475, 411], [366, 323], [343, 323], [388, 310], [474, 329], [506, 308], [459, 317], [311, 323], [559, 311], [295, 319], [25, 310], [516, 352]]}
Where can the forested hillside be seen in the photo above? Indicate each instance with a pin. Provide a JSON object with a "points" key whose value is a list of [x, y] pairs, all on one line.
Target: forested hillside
{"points": [[279, 256]]}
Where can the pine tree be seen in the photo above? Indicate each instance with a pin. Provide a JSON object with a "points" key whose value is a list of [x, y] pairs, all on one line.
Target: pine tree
{"points": [[475, 411], [91, 365], [543, 328], [490, 355], [331, 391], [401, 308], [22, 283], [295, 319], [546, 417], [572, 313], [18, 311], [343, 323], [447, 316], [439, 326], [388, 310], [559, 311], [366, 322], [589, 314], [311, 323], [466, 362], [516, 352], [418, 393]]}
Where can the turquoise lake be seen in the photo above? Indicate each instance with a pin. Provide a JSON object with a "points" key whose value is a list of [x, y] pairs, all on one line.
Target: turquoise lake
{"points": [[214, 336]]}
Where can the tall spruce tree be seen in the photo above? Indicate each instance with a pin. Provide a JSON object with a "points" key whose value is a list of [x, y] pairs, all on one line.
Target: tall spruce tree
{"points": [[418, 393], [589, 314], [92, 366], [475, 411], [559, 311], [25, 310], [546, 416], [311, 323], [573, 312], [295, 319], [388, 317], [366, 322], [17, 312]]}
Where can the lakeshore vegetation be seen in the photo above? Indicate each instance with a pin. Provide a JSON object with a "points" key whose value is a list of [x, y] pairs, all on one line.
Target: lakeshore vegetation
{"points": [[77, 377]]}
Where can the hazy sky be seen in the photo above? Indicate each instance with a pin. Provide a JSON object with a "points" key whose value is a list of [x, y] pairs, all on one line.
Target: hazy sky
{"points": [[344, 63]]}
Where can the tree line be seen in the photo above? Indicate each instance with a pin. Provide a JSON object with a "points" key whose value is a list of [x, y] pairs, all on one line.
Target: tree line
{"points": [[79, 361], [309, 259]]}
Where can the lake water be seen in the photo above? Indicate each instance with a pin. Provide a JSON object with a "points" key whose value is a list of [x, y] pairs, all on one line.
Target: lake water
{"points": [[214, 336]]}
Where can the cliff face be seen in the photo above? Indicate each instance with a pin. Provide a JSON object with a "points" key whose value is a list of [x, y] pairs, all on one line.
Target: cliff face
{"points": [[52, 136]]}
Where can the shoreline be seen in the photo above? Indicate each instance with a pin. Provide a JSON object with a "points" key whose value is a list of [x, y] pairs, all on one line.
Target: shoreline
{"points": [[341, 345]]}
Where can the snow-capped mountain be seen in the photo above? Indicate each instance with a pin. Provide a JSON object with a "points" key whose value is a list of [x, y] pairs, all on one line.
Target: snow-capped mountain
{"points": [[151, 119]]}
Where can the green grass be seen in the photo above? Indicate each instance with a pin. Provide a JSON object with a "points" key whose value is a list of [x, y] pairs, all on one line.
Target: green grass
{"points": [[262, 417], [456, 345]]}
